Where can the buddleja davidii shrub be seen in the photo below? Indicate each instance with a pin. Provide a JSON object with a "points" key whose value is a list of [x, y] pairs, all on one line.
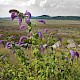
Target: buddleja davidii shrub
{"points": [[41, 67], [35, 38]]}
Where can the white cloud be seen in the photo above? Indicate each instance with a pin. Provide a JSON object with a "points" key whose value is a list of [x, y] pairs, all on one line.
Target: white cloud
{"points": [[42, 3], [31, 2], [39, 7]]}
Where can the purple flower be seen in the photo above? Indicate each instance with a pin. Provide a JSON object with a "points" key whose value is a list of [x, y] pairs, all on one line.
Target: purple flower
{"points": [[67, 59], [8, 45], [60, 39], [41, 48], [1, 41], [22, 27], [27, 21], [21, 43], [42, 21], [72, 53], [12, 37], [20, 20], [13, 15], [45, 30], [39, 34], [1, 35], [13, 51], [22, 38], [28, 13], [77, 54]]}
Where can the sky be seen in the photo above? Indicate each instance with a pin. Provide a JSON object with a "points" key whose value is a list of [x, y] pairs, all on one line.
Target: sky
{"points": [[41, 7]]}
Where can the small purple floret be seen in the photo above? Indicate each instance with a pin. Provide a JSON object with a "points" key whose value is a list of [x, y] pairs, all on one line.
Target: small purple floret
{"points": [[67, 59], [1, 35], [22, 27], [13, 15], [22, 38], [41, 48], [12, 37], [13, 51], [39, 34], [8, 45], [77, 54], [42, 21], [20, 20], [28, 13], [45, 30], [72, 53], [27, 21], [1, 41], [60, 39]]}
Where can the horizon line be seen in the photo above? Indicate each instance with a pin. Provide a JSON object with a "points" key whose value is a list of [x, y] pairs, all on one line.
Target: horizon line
{"points": [[40, 15]]}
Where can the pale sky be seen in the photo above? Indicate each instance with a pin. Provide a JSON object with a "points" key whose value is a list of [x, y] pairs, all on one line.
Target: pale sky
{"points": [[41, 7]]}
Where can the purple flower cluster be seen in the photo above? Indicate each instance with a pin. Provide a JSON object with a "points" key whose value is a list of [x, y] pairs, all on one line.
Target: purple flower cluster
{"points": [[8, 45], [13, 15], [22, 27], [77, 54], [1, 35], [28, 14], [1, 41], [39, 34], [13, 51], [22, 38], [12, 37], [41, 48], [27, 21], [42, 21], [45, 30], [67, 59], [20, 20], [74, 53]]}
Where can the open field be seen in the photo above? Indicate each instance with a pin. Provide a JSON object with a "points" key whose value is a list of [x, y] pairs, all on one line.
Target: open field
{"points": [[38, 64], [66, 29], [63, 28]]}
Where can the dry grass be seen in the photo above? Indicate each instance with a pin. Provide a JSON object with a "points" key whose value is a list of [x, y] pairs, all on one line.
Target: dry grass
{"points": [[64, 28]]}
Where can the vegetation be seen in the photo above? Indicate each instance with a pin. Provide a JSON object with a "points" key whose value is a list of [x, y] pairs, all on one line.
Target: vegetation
{"points": [[29, 53]]}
